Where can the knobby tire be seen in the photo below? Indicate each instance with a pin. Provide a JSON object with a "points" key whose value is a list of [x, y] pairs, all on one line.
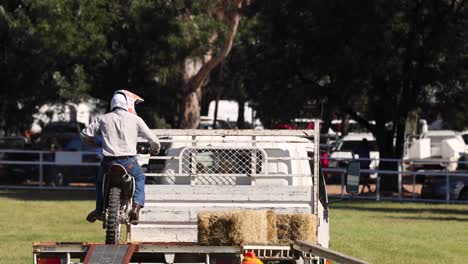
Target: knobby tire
{"points": [[113, 223]]}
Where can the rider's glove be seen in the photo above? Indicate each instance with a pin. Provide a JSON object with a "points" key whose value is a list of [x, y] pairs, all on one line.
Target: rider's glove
{"points": [[154, 150]]}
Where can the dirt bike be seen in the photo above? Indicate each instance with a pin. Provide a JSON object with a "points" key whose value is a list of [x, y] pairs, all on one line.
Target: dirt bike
{"points": [[118, 189]]}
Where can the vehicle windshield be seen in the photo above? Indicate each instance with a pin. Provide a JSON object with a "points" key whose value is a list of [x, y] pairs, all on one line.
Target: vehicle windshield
{"points": [[465, 138], [350, 145]]}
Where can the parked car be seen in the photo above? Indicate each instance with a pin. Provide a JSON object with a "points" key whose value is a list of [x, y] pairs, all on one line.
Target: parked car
{"points": [[17, 173], [343, 150], [69, 160], [435, 187], [59, 133]]}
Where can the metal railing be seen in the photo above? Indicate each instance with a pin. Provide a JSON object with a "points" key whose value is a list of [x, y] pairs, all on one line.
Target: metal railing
{"points": [[409, 185], [427, 181], [31, 165]]}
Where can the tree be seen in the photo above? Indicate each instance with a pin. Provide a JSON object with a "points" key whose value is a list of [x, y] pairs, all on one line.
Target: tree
{"points": [[195, 71], [24, 68], [375, 60]]}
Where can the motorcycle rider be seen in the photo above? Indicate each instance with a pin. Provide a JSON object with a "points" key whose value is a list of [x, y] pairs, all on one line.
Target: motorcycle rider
{"points": [[120, 129]]}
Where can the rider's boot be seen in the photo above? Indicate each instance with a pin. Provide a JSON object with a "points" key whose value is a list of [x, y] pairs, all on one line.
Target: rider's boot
{"points": [[135, 214], [93, 216]]}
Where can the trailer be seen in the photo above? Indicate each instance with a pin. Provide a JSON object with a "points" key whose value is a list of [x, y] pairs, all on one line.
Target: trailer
{"points": [[217, 171], [299, 252]]}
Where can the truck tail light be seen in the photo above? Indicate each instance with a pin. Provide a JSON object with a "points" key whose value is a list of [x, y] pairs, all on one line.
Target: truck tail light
{"points": [[324, 159], [328, 261], [49, 260]]}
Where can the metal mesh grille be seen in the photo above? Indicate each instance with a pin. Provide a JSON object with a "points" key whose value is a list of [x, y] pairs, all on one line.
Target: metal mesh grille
{"points": [[221, 162]]}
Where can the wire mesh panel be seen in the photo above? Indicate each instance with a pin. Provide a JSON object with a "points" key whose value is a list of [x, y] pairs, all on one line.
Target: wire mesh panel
{"points": [[221, 162]]}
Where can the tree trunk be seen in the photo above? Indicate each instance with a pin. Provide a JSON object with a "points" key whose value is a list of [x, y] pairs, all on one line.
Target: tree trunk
{"points": [[190, 115], [191, 106], [215, 119], [240, 114], [389, 182], [194, 80]]}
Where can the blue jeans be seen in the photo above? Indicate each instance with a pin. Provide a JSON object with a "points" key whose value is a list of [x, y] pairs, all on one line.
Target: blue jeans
{"points": [[133, 168]]}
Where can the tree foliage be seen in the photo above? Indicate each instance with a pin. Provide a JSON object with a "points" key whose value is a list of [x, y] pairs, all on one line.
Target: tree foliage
{"points": [[372, 60], [368, 60]]}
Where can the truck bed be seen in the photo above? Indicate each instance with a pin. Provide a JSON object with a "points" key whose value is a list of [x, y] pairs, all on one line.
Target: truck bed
{"points": [[170, 212]]}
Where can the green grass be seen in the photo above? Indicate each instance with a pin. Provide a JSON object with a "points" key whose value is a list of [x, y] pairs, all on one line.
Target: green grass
{"points": [[26, 217], [376, 232], [400, 232]]}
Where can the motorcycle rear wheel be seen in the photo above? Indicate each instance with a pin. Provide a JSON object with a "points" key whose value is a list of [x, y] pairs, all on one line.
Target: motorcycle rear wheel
{"points": [[113, 222]]}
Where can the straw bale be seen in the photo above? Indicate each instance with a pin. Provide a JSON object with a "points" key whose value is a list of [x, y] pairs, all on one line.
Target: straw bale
{"points": [[204, 228], [293, 227], [233, 228], [272, 230], [282, 226], [254, 227]]}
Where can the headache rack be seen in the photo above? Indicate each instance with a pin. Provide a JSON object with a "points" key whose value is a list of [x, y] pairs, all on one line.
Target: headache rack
{"points": [[231, 157]]}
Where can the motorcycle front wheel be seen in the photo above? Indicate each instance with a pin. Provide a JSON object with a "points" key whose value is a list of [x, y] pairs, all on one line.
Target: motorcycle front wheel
{"points": [[113, 223]]}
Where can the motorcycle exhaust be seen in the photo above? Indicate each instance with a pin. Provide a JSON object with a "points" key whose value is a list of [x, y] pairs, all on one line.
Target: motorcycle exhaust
{"points": [[126, 177]]}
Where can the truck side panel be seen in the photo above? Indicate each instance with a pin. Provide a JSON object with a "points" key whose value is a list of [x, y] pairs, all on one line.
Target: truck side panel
{"points": [[170, 214]]}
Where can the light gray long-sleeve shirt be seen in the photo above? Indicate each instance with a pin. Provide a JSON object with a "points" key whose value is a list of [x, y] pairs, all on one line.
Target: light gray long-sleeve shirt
{"points": [[120, 130]]}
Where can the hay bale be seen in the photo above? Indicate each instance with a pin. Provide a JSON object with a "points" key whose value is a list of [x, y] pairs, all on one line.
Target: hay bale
{"points": [[282, 226], [254, 227], [204, 228], [233, 228], [293, 227], [272, 230]]}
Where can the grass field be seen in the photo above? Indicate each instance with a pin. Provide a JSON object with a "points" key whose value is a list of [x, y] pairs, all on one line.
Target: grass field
{"points": [[376, 232], [400, 233]]}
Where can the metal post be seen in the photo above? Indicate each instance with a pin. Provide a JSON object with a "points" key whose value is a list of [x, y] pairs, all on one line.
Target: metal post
{"points": [[41, 171], [342, 184], [193, 168], [253, 169], [400, 181], [447, 185], [377, 198]]}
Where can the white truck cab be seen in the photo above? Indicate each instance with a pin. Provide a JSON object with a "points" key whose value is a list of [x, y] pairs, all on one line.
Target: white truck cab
{"points": [[222, 170]]}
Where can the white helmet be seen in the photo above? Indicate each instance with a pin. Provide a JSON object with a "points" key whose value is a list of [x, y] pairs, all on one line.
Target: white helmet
{"points": [[126, 100], [119, 101]]}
